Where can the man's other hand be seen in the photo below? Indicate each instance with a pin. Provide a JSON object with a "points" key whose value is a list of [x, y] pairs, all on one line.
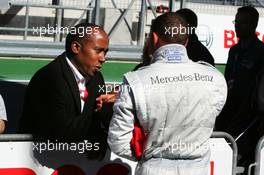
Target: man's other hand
{"points": [[2, 126], [105, 98]]}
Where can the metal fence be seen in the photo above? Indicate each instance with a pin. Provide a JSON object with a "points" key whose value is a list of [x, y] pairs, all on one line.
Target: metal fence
{"points": [[258, 160], [130, 19], [140, 13], [53, 15], [64, 3], [233, 145]]}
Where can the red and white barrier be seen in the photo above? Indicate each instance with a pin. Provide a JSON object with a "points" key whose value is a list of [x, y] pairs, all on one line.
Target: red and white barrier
{"points": [[17, 158]]}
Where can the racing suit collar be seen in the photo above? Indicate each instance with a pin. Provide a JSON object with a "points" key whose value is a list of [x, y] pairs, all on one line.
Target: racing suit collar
{"points": [[171, 53]]}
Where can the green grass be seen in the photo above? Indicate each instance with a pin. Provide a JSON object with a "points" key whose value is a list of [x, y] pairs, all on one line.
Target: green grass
{"points": [[24, 68], [20, 69], [221, 68]]}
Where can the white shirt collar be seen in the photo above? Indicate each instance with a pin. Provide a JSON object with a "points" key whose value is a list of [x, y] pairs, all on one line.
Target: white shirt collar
{"points": [[172, 53], [78, 76], [81, 81]]}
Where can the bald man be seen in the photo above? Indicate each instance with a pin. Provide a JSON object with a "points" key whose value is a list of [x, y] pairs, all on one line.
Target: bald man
{"points": [[174, 100], [60, 101]]}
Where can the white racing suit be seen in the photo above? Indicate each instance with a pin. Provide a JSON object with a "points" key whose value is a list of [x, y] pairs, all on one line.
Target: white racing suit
{"points": [[176, 102]]}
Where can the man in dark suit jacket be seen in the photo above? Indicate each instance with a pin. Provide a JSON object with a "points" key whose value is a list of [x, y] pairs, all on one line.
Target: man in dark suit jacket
{"points": [[57, 104]]}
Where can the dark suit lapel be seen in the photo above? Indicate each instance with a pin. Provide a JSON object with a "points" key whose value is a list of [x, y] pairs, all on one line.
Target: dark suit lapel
{"points": [[92, 87], [89, 104], [69, 77]]}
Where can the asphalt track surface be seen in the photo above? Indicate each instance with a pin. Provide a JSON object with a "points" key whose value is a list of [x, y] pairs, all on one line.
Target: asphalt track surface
{"points": [[15, 73]]}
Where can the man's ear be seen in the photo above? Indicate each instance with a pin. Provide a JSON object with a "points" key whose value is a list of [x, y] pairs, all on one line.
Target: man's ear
{"points": [[155, 38], [75, 47]]}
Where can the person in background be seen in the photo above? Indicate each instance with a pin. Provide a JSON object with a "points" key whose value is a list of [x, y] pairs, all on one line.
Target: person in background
{"points": [[3, 117], [195, 49], [174, 100], [145, 60], [245, 60]]}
